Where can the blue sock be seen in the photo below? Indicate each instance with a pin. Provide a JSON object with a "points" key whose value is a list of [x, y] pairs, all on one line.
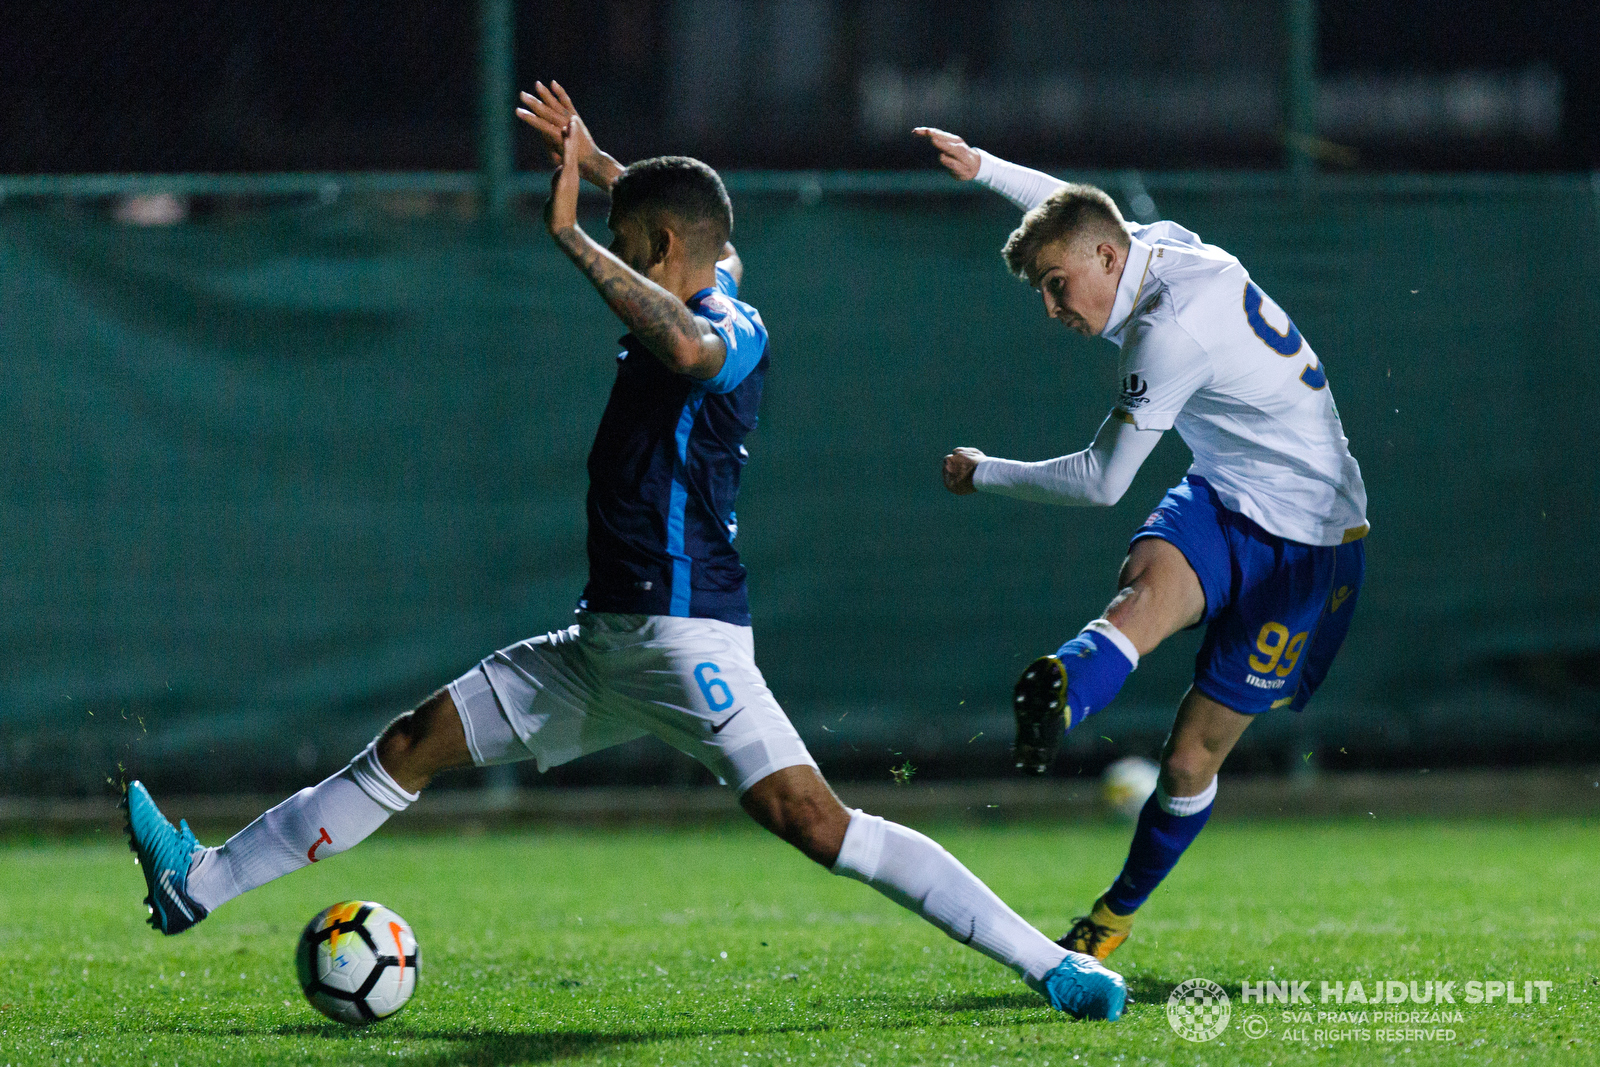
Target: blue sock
{"points": [[1097, 662], [1159, 840]]}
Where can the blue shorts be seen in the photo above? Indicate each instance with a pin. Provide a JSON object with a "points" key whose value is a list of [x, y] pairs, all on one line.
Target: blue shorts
{"points": [[1276, 610]]}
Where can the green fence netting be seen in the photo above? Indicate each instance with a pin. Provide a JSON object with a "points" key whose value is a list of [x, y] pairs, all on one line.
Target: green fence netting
{"points": [[274, 473]]}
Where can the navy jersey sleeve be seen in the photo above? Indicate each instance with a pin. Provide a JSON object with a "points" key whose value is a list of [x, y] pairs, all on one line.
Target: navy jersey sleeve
{"points": [[742, 331]]}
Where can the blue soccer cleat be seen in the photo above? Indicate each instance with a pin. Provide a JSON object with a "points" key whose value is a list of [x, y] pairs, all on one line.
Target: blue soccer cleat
{"points": [[165, 853], [1085, 989]]}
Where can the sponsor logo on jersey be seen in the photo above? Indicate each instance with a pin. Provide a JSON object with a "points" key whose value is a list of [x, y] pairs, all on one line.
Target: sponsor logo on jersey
{"points": [[311, 853], [1133, 390]]}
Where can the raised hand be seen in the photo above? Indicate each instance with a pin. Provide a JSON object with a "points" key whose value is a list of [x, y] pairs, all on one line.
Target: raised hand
{"points": [[958, 157], [549, 110], [561, 211]]}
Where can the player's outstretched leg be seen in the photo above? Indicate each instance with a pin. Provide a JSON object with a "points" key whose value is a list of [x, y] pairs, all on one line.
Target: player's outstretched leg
{"points": [[1172, 818], [916, 873], [187, 881], [1158, 595]]}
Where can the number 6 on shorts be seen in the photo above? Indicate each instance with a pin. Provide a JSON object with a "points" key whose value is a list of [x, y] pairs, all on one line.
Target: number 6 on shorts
{"points": [[718, 696]]}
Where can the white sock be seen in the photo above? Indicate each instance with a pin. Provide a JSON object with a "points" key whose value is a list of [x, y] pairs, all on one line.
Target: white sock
{"points": [[315, 823], [917, 873], [1187, 805], [1106, 629]]}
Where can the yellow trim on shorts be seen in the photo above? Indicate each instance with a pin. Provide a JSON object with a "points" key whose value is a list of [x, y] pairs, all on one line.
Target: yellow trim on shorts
{"points": [[1356, 533], [1121, 416], [1285, 702]]}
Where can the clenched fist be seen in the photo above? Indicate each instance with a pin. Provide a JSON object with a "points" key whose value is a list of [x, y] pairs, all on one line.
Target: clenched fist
{"points": [[958, 468]]}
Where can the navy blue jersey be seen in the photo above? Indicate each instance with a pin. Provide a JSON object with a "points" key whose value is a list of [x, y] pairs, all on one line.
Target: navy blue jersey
{"points": [[664, 472]]}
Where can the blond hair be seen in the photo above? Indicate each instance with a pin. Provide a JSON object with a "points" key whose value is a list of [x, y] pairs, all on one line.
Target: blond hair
{"points": [[1074, 210]]}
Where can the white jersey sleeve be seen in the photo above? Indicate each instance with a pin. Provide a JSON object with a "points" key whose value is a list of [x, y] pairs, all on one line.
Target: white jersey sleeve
{"points": [[1022, 186], [1161, 367], [1098, 475]]}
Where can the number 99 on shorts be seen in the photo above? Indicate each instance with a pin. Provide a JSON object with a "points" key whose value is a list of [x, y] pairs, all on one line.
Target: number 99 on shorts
{"points": [[1280, 652]]}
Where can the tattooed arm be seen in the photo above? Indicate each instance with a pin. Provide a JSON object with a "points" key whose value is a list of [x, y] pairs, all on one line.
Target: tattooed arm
{"points": [[680, 339]]}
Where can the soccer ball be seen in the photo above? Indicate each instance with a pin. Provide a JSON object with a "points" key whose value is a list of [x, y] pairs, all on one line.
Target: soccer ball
{"points": [[357, 962], [1127, 784]]}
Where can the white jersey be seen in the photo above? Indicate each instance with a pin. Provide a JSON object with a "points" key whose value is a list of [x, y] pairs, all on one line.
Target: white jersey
{"points": [[1206, 352]]}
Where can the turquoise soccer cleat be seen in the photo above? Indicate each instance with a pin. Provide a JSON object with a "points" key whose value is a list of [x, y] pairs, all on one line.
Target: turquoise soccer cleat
{"points": [[1084, 988], [165, 853]]}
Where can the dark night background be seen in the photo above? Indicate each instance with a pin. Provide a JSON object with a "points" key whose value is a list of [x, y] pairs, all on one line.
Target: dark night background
{"points": [[184, 85]]}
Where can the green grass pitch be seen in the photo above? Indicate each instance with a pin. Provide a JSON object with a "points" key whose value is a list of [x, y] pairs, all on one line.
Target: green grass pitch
{"points": [[720, 946]]}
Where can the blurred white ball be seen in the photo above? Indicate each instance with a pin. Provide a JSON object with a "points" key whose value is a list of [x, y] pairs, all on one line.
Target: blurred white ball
{"points": [[1127, 784]]}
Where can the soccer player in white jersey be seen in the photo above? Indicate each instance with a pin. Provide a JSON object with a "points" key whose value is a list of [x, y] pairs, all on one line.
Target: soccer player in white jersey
{"points": [[662, 643], [1261, 541]]}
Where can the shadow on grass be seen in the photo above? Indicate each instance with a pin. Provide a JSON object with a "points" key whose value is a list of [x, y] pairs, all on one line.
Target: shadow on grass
{"points": [[502, 1048], [986, 1002], [1150, 989], [472, 1047], [465, 1048]]}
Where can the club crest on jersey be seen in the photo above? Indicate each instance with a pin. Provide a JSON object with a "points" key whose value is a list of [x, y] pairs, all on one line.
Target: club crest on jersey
{"points": [[1133, 390]]}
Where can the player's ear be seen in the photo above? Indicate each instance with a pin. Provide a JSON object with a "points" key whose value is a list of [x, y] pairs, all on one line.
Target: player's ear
{"points": [[663, 242], [1107, 254]]}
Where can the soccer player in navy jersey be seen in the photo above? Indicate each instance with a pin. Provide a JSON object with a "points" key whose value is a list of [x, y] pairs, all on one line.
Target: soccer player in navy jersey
{"points": [[662, 644]]}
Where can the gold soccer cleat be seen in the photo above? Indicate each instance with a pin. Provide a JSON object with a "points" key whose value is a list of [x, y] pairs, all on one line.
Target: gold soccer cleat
{"points": [[1098, 933]]}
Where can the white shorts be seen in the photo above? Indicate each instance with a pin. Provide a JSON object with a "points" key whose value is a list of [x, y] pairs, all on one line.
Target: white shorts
{"points": [[612, 678]]}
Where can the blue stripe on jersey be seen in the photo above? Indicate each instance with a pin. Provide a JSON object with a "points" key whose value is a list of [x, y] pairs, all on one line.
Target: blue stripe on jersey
{"points": [[677, 504], [664, 475]]}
